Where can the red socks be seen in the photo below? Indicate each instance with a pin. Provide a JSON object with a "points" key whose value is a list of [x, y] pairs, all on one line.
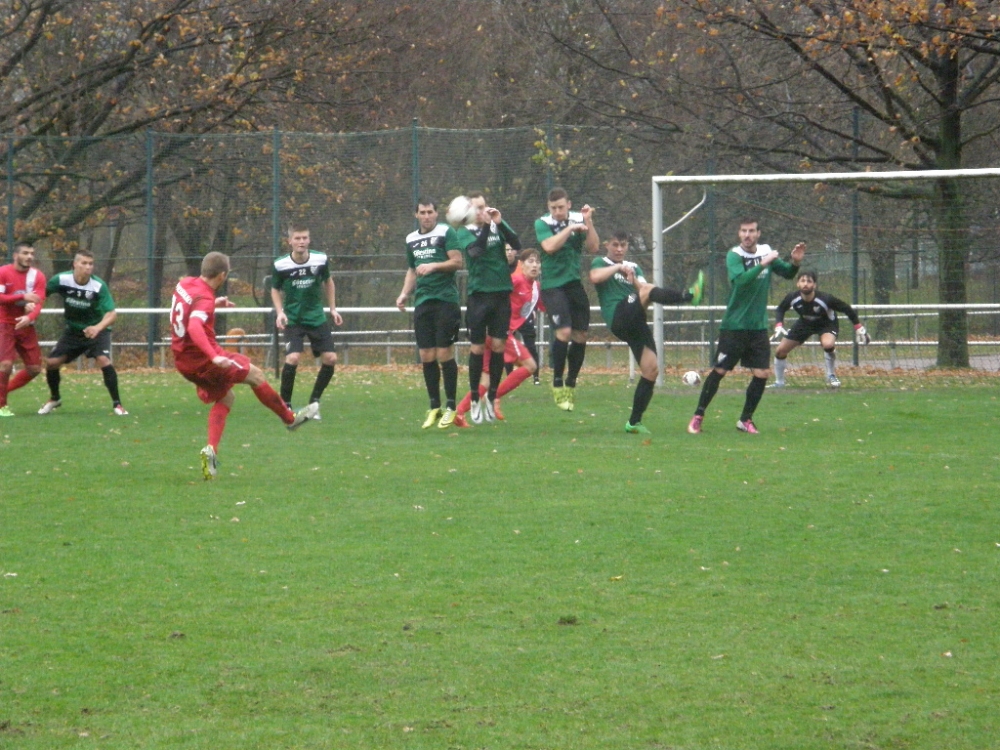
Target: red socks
{"points": [[217, 416], [270, 398]]}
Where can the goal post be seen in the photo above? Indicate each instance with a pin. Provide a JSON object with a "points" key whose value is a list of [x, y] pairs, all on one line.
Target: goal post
{"points": [[910, 222]]}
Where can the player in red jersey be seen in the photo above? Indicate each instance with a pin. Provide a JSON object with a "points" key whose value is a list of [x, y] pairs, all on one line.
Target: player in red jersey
{"points": [[22, 294], [200, 359], [524, 300]]}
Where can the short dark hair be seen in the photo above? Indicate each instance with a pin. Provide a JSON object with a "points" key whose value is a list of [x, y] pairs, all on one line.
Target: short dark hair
{"points": [[85, 252], [809, 275], [213, 264], [529, 252], [425, 201], [557, 194], [621, 235], [475, 194], [297, 226], [19, 245], [750, 220]]}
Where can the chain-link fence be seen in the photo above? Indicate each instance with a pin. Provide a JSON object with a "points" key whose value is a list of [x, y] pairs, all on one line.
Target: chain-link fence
{"points": [[150, 206]]}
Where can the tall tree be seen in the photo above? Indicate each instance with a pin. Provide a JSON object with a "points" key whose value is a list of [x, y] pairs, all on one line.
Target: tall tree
{"points": [[73, 75], [779, 81]]}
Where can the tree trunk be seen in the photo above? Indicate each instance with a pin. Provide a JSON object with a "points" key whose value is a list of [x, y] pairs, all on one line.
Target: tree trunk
{"points": [[953, 330]]}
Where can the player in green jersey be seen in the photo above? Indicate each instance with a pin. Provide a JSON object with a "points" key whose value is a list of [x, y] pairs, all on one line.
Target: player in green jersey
{"points": [[563, 235], [300, 284], [624, 295], [483, 246], [437, 316], [743, 332], [89, 312]]}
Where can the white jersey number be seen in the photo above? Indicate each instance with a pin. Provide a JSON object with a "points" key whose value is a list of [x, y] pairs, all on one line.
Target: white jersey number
{"points": [[177, 314]]}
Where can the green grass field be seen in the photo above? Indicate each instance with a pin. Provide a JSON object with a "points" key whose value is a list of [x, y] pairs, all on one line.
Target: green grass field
{"points": [[546, 582]]}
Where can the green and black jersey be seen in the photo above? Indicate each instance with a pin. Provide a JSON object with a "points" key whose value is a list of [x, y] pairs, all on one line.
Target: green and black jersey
{"points": [[746, 309], [429, 247], [488, 269], [302, 286], [615, 290], [84, 304], [562, 266]]}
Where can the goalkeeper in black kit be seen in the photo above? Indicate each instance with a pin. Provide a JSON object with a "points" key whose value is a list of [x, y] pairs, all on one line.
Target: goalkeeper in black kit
{"points": [[817, 316]]}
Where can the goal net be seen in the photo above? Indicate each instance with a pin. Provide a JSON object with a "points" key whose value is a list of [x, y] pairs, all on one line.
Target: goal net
{"points": [[917, 253]]}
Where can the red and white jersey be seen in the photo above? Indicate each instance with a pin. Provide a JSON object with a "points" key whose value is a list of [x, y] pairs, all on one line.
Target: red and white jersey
{"points": [[193, 302], [14, 284], [524, 299]]}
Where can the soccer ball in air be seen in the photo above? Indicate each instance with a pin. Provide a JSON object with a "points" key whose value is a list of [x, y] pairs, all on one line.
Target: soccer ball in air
{"points": [[691, 378], [460, 211]]}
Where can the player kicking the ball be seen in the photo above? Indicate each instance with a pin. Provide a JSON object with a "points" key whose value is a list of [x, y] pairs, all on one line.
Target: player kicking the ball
{"points": [[624, 295], [200, 359], [817, 315]]}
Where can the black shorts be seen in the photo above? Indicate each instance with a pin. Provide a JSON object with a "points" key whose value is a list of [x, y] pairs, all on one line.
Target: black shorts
{"points": [[436, 324], [631, 327], [320, 339], [752, 349], [803, 329], [568, 306], [73, 343], [487, 313]]}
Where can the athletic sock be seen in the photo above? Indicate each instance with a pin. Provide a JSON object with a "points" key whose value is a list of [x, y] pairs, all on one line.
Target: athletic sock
{"points": [[574, 357], [322, 381], [475, 373], [513, 380], [559, 352], [708, 391], [21, 379], [496, 373], [110, 382], [754, 392], [641, 399], [269, 397], [449, 373], [779, 370], [4, 384], [217, 416], [830, 360], [432, 380], [668, 297], [288, 382], [53, 378]]}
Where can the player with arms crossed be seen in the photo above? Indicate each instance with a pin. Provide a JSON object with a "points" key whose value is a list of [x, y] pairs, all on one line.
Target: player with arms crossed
{"points": [[437, 315], [481, 234], [300, 284], [563, 235], [624, 295], [743, 331], [817, 315], [22, 294], [90, 312], [200, 359]]}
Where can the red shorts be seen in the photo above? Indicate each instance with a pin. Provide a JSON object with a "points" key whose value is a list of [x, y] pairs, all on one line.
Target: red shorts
{"points": [[215, 382], [513, 352], [23, 344]]}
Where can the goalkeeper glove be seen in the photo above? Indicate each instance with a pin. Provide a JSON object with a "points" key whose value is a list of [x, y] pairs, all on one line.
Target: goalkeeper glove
{"points": [[861, 334], [779, 332]]}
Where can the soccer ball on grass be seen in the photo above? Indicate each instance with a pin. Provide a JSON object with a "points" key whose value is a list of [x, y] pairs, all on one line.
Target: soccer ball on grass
{"points": [[691, 378]]}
